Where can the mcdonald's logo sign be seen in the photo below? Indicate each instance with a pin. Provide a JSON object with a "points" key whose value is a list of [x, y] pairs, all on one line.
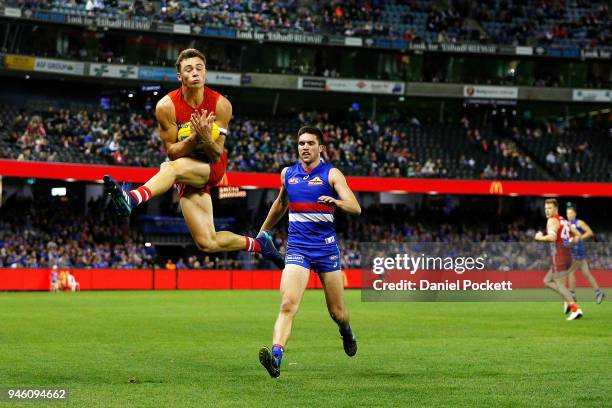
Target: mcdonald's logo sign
{"points": [[224, 181], [496, 188]]}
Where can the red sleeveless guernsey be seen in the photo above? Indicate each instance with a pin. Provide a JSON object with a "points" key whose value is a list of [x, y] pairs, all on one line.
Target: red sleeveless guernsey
{"points": [[562, 258], [182, 112]]}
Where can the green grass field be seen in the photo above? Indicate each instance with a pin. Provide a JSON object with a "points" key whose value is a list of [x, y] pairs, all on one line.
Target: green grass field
{"points": [[178, 349]]}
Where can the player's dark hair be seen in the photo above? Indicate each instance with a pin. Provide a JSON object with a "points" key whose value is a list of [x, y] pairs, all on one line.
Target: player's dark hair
{"points": [[313, 130], [551, 201], [570, 205], [188, 53]]}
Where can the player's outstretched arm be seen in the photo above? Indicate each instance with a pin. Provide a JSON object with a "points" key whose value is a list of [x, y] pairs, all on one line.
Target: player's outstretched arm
{"points": [[278, 208], [347, 202], [168, 131]]}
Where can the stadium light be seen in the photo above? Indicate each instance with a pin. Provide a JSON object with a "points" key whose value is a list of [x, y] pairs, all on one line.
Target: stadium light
{"points": [[58, 191], [147, 244]]}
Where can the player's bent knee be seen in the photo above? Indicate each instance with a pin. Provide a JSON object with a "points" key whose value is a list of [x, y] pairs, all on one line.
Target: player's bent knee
{"points": [[169, 166], [181, 165], [289, 305]]}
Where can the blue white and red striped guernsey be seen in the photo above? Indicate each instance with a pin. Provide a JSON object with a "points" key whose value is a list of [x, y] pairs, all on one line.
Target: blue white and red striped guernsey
{"points": [[311, 224]]}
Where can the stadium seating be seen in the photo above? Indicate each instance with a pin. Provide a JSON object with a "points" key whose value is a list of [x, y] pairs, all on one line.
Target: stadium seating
{"points": [[60, 233], [358, 146], [43, 234], [579, 155], [558, 23], [575, 24], [264, 144]]}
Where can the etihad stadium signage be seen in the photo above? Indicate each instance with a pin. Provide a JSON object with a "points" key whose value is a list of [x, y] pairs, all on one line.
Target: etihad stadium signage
{"points": [[352, 85]]}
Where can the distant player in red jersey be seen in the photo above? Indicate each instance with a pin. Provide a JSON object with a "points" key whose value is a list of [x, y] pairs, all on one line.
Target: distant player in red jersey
{"points": [[559, 232], [193, 122]]}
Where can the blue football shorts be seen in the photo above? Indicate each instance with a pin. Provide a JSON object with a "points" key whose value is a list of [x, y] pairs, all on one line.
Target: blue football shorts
{"points": [[320, 260]]}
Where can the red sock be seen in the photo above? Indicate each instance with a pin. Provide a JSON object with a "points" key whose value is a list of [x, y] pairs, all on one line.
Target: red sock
{"points": [[252, 245], [141, 195], [573, 307]]}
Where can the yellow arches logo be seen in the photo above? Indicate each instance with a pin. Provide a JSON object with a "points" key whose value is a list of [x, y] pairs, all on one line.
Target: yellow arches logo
{"points": [[496, 188]]}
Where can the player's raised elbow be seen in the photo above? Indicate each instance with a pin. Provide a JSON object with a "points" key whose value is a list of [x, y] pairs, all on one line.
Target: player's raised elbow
{"points": [[172, 155]]}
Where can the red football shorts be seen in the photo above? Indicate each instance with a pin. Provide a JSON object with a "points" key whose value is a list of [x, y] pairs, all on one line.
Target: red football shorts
{"points": [[217, 171]]}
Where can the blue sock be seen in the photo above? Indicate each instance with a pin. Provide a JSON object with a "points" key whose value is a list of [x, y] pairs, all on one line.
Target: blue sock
{"points": [[345, 332], [277, 353]]}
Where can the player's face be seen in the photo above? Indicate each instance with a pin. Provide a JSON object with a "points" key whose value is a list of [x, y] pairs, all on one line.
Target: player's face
{"points": [[193, 72], [571, 214], [309, 148], [550, 210]]}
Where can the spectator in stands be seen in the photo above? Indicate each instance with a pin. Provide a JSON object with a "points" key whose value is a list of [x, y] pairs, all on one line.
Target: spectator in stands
{"points": [[551, 158]]}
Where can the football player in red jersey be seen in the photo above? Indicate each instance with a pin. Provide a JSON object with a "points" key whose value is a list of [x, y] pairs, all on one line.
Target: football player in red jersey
{"points": [[559, 232], [193, 122]]}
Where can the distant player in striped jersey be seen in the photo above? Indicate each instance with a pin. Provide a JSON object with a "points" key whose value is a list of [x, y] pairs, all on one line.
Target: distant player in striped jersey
{"points": [[193, 122], [312, 190], [579, 261], [559, 232]]}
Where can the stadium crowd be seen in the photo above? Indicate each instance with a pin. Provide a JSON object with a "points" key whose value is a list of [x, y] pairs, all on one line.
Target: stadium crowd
{"points": [[40, 235], [358, 146], [86, 137], [363, 147], [542, 22], [58, 233], [392, 147]]}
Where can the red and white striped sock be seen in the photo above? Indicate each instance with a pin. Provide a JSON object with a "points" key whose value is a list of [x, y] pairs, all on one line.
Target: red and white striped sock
{"points": [[141, 195], [252, 245]]}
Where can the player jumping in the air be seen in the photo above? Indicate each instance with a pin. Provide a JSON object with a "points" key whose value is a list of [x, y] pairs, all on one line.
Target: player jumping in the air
{"points": [[193, 122], [311, 190], [579, 262], [559, 232]]}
